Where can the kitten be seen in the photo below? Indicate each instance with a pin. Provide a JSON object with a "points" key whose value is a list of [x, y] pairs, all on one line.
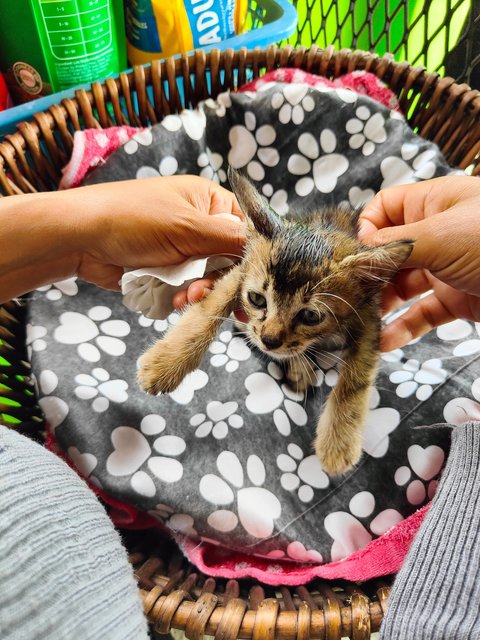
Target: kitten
{"points": [[308, 286]]}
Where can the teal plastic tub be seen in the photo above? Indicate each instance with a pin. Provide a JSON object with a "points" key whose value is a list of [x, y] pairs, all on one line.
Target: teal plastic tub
{"points": [[268, 21]]}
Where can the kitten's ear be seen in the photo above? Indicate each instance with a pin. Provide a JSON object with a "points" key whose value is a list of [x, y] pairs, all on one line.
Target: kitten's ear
{"points": [[260, 216], [376, 264]]}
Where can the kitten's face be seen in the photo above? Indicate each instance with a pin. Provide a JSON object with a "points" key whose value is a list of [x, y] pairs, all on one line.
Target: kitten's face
{"points": [[304, 282], [295, 298]]}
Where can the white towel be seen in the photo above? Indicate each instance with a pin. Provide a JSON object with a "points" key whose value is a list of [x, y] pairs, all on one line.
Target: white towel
{"points": [[151, 290]]}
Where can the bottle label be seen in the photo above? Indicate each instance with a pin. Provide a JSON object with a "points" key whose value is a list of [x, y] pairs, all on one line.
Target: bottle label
{"points": [[78, 38], [28, 78]]}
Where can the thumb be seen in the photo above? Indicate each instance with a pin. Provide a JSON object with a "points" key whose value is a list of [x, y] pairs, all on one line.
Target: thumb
{"points": [[416, 232]]}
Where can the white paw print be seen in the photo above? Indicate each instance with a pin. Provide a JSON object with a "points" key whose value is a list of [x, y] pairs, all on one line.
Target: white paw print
{"points": [[257, 507], [192, 382], [220, 105], [250, 147], [328, 364], [82, 330], [211, 164], [143, 138], [99, 388], [459, 410], [131, 450], [266, 396], [55, 409], [366, 130], [359, 198], [349, 533], [168, 167], [415, 378], [159, 325], [55, 291], [178, 522], [426, 463], [162, 512], [84, 462], [398, 170], [293, 101], [459, 330], [297, 470], [278, 200], [219, 416], [181, 523], [34, 338], [380, 423], [192, 121], [325, 169], [229, 351], [296, 551]]}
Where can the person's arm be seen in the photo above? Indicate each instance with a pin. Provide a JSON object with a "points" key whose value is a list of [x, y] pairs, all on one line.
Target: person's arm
{"points": [[40, 241], [97, 231], [442, 216]]}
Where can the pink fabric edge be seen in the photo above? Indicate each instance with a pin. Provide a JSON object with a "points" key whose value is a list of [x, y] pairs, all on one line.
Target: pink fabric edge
{"points": [[362, 82], [92, 147], [380, 557]]}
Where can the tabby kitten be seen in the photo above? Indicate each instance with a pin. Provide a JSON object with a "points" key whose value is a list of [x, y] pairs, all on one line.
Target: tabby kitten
{"points": [[308, 287]]}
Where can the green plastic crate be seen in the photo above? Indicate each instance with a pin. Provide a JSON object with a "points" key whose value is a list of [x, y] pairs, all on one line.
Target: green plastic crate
{"points": [[441, 35]]}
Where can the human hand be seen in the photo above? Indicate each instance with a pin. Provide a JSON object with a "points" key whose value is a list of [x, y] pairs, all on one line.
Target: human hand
{"points": [[442, 216], [157, 222]]}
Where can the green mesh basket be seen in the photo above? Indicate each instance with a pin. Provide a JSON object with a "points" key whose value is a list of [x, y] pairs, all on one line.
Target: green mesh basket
{"points": [[441, 35]]}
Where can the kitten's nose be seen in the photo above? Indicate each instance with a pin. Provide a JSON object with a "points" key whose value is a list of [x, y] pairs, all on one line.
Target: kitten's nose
{"points": [[271, 342]]}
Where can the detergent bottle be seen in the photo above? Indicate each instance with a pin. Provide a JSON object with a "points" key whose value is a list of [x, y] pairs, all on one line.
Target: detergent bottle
{"points": [[50, 45]]}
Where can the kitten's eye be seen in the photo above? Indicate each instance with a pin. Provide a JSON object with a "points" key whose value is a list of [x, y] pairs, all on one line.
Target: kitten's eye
{"points": [[257, 300], [310, 316]]}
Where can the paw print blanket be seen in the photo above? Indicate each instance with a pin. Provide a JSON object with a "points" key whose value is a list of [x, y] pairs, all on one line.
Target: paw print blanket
{"points": [[225, 462]]}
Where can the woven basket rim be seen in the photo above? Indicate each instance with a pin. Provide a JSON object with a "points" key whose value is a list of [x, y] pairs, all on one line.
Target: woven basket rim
{"points": [[444, 97]]}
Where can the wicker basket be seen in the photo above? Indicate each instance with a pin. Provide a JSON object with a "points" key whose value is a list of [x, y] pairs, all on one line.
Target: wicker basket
{"points": [[175, 596]]}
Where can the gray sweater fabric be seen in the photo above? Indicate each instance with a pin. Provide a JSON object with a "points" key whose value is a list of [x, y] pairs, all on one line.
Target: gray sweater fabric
{"points": [[436, 595], [64, 573]]}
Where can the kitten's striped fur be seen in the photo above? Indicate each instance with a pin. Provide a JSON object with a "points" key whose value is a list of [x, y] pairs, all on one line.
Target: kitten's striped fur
{"points": [[293, 273]]}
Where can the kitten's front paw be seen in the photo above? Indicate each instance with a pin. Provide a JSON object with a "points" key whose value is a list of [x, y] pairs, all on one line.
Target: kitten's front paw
{"points": [[159, 371], [300, 376], [336, 458], [337, 453]]}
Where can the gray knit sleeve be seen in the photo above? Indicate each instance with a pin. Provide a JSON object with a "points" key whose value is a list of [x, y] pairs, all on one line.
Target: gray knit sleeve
{"points": [[436, 595], [63, 571]]}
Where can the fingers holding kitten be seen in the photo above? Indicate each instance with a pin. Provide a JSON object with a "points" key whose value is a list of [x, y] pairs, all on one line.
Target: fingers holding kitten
{"points": [[197, 291]]}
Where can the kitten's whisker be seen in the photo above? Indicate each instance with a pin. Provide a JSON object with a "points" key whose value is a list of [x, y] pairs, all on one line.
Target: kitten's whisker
{"points": [[323, 352], [334, 361], [305, 363], [239, 322], [319, 283], [329, 309], [333, 295]]}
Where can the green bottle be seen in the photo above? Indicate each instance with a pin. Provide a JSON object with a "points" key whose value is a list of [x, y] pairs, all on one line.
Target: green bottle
{"points": [[50, 45]]}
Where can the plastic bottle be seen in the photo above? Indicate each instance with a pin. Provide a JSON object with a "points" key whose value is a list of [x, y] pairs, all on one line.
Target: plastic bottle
{"points": [[50, 45], [160, 28]]}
